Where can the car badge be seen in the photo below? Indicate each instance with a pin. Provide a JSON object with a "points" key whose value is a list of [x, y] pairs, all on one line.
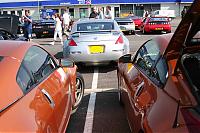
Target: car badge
{"points": [[95, 38]]}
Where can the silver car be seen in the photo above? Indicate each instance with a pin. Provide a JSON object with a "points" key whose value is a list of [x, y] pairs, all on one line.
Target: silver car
{"points": [[95, 41]]}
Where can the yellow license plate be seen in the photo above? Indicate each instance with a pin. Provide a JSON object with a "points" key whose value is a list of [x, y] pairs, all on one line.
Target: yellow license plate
{"points": [[159, 28], [96, 49]]}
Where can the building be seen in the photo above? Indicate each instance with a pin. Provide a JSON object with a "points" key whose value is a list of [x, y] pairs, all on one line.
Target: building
{"points": [[82, 8]]}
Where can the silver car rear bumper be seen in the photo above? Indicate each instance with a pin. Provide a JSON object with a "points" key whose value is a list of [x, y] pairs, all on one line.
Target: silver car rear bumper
{"points": [[83, 55]]}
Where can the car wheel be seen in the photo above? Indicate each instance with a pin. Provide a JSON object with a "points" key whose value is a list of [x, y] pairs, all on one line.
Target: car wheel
{"points": [[133, 32], [79, 90]]}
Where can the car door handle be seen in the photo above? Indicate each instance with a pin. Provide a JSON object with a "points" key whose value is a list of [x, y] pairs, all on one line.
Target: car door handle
{"points": [[48, 97], [139, 89]]}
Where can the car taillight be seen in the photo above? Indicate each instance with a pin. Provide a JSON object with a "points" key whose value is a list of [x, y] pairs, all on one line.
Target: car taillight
{"points": [[72, 43], [119, 40], [152, 23], [165, 22]]}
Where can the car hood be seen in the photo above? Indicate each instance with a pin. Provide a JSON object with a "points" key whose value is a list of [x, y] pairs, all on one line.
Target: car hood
{"points": [[187, 28], [9, 23], [10, 90]]}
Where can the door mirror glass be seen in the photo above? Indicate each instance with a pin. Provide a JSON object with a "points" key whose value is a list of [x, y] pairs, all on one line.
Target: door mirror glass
{"points": [[126, 58]]}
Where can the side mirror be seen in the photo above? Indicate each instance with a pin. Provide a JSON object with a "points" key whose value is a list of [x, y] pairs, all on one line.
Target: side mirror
{"points": [[66, 63], [126, 58]]}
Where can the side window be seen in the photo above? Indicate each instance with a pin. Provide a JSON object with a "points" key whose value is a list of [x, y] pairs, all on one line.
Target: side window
{"points": [[37, 64], [160, 72], [24, 79], [147, 56]]}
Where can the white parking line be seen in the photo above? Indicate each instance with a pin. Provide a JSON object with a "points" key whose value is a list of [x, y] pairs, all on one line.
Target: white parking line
{"points": [[91, 106], [95, 79]]}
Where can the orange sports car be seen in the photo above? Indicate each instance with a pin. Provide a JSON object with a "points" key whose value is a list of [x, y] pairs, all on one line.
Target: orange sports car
{"points": [[38, 92], [160, 86]]}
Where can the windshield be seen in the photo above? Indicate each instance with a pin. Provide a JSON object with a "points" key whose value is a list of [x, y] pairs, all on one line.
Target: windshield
{"points": [[95, 26], [158, 19]]}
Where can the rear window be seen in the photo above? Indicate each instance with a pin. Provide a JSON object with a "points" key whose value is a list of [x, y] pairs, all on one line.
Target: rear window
{"points": [[158, 19], [125, 23], [95, 26], [1, 58]]}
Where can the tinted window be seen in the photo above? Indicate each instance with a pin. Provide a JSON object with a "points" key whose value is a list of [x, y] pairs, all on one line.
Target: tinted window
{"points": [[147, 56], [160, 72], [24, 79], [125, 23], [95, 26], [38, 62], [158, 19]]}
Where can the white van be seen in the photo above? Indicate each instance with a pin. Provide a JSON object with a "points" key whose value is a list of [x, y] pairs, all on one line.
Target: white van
{"points": [[164, 13]]}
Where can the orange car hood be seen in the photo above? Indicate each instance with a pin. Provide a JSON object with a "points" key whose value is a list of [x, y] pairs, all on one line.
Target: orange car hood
{"points": [[10, 91], [184, 32]]}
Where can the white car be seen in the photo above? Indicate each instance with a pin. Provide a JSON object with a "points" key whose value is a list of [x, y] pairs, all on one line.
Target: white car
{"points": [[126, 25], [95, 41]]}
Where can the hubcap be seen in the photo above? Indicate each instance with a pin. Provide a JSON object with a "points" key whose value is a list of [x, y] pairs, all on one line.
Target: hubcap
{"points": [[78, 89]]}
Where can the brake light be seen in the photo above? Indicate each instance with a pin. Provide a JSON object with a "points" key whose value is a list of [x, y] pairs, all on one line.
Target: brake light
{"points": [[119, 40], [72, 43]]}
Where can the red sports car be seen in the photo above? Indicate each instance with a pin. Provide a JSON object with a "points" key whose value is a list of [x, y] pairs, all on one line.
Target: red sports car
{"points": [[155, 24], [160, 86], [38, 92]]}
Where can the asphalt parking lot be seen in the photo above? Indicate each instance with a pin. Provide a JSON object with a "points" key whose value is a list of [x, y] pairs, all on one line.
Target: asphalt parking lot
{"points": [[101, 98]]}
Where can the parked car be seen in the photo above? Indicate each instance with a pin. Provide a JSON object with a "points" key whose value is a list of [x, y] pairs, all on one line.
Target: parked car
{"points": [[9, 27], [137, 20], [155, 24], [44, 27], [38, 92], [159, 85], [95, 42], [126, 25], [5, 35]]}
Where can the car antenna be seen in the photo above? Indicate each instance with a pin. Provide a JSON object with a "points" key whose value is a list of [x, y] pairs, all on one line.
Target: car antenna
{"points": [[176, 124]]}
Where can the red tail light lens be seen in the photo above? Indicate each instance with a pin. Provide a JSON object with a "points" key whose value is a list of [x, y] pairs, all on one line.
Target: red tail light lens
{"points": [[119, 40], [72, 43]]}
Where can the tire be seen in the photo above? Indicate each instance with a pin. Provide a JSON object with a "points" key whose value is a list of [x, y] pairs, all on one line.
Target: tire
{"points": [[80, 85]]}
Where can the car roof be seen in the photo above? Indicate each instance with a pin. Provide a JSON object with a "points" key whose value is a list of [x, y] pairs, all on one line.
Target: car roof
{"points": [[92, 20], [84, 21], [15, 49], [163, 41]]}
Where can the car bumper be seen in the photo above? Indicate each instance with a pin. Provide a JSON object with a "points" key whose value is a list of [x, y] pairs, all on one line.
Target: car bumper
{"points": [[84, 56], [127, 28], [157, 29], [43, 31]]}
